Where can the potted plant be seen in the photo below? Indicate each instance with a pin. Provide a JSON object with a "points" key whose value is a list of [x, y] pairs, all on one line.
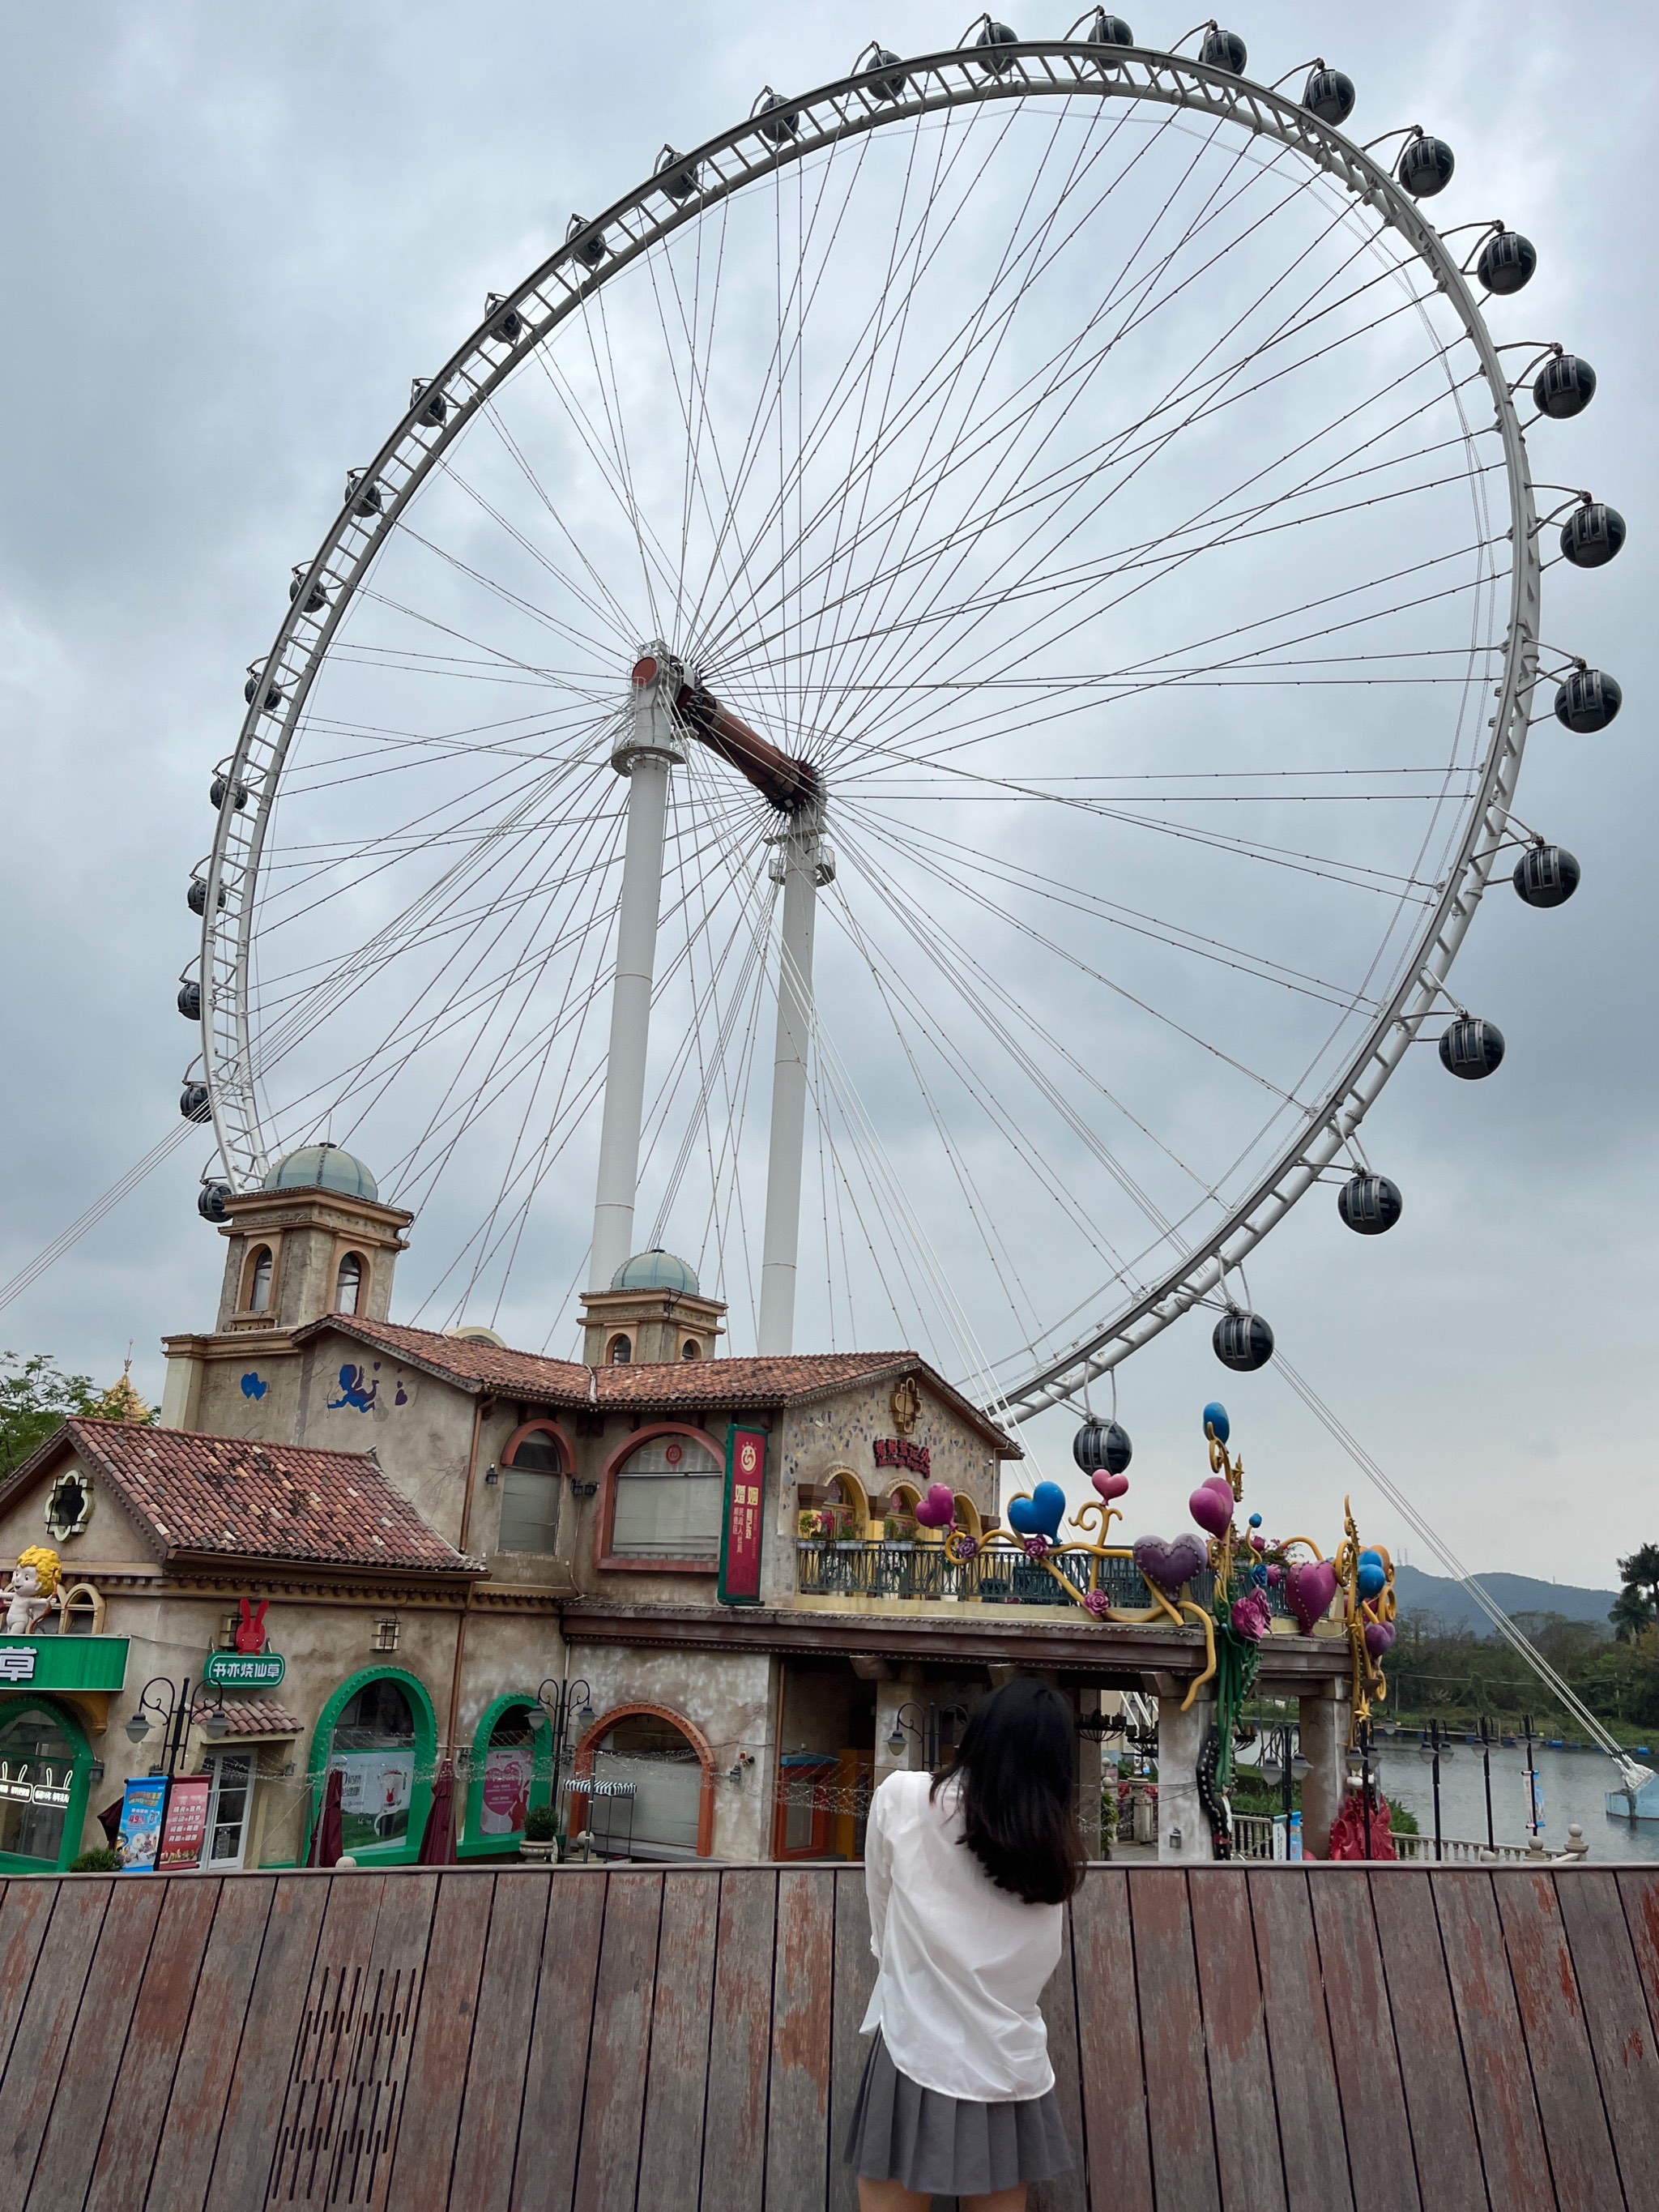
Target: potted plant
{"points": [[809, 1525], [541, 1833], [898, 1528]]}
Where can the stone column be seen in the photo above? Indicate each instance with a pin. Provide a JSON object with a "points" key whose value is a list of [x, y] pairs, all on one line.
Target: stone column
{"points": [[1183, 1833], [1324, 1733]]}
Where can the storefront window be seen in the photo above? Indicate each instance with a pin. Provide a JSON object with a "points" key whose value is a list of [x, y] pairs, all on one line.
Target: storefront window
{"points": [[530, 1494], [658, 1778], [37, 1773], [509, 1769], [373, 1748], [668, 1502], [227, 1808]]}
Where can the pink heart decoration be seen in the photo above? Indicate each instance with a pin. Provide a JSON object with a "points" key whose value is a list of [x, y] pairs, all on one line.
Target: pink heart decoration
{"points": [[1170, 1565], [1309, 1586], [1110, 1486], [937, 1509], [1212, 1508], [1379, 1638]]}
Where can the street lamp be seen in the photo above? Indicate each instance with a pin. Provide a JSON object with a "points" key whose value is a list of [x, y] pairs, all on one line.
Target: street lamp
{"points": [[925, 1723], [175, 1708]]}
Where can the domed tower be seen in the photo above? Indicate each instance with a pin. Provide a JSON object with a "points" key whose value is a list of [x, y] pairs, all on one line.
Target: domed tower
{"points": [[314, 1239], [654, 1311]]}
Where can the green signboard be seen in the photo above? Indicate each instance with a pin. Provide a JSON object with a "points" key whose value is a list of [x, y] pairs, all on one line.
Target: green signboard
{"points": [[244, 1670], [63, 1662]]}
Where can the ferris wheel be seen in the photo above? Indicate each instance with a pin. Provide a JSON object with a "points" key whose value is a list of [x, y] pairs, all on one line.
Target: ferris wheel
{"points": [[920, 713]]}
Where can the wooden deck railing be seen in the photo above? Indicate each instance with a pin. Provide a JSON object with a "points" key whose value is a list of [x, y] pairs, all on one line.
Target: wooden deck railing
{"points": [[1263, 2039]]}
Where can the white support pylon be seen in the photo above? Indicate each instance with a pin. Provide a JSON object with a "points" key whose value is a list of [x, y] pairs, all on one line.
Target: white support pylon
{"points": [[649, 747], [805, 863]]}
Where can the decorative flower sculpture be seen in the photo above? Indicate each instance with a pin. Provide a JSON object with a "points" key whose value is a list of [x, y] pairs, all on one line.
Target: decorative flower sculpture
{"points": [[961, 1547], [1097, 1604], [1251, 1616], [1036, 1548]]}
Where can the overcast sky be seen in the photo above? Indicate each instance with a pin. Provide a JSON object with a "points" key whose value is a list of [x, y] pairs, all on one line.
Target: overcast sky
{"points": [[235, 234]]}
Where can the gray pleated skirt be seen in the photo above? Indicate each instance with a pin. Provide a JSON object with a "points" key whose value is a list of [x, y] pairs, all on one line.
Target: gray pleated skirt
{"points": [[949, 2145]]}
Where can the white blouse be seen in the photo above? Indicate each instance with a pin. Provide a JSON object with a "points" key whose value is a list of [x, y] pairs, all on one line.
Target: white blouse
{"points": [[961, 1962]]}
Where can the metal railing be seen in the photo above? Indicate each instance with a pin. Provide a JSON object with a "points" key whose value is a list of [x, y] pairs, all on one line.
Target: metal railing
{"points": [[1253, 1838], [1001, 1575]]}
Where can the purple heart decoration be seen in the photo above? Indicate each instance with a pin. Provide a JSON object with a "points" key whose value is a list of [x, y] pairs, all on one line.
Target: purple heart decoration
{"points": [[1039, 1515], [1110, 1486], [1309, 1586], [1379, 1638], [937, 1509], [1168, 1565], [1212, 1508]]}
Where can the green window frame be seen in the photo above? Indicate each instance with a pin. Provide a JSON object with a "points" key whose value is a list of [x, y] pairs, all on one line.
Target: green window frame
{"points": [[426, 1760], [472, 1844], [75, 1813]]}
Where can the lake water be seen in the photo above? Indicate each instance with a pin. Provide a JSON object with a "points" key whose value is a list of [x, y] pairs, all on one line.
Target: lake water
{"points": [[1575, 1784]]}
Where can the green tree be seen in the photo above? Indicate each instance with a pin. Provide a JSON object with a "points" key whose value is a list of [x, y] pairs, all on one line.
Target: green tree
{"points": [[1632, 1611], [36, 1397], [1641, 1572]]}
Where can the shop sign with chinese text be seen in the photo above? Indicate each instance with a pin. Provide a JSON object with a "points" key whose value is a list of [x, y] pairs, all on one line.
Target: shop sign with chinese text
{"points": [[244, 1670], [740, 1521]]}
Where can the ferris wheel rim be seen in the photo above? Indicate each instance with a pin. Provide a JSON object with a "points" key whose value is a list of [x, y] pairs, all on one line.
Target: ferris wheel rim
{"points": [[561, 284]]}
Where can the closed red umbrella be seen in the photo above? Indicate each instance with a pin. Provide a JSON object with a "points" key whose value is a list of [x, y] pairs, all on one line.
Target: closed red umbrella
{"points": [[438, 1843], [327, 1839]]}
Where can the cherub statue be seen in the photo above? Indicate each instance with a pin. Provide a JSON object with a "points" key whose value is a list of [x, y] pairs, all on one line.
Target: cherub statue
{"points": [[33, 1591]]}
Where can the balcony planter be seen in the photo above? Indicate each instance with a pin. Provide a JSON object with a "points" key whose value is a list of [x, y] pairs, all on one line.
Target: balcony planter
{"points": [[539, 1853]]}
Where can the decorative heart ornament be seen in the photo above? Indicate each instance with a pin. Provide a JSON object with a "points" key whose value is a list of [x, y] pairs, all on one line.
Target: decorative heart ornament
{"points": [[1168, 1565], [1110, 1486], [1309, 1586], [1039, 1515], [1379, 1638], [937, 1509], [1212, 1506]]}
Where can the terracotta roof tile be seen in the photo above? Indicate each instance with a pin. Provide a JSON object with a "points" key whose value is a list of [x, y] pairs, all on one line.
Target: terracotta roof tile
{"points": [[198, 1493], [778, 1380], [248, 1716]]}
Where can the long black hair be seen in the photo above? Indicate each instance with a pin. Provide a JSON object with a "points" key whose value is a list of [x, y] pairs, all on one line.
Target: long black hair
{"points": [[1015, 1764]]}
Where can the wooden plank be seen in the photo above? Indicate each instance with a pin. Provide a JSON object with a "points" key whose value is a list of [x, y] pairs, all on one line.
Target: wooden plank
{"points": [[495, 2073], [1500, 2080], [1617, 2017], [1431, 2052], [1557, 2042], [250, 2002], [1172, 2039], [1381, 2170], [608, 2164], [855, 1977], [126, 2149], [119, 1966], [44, 2030], [798, 2096], [423, 2153], [739, 2049], [671, 2148], [25, 1909], [387, 2011], [1638, 1892], [1067, 2192], [1114, 2100], [1235, 2042], [1316, 2162], [549, 2126]]}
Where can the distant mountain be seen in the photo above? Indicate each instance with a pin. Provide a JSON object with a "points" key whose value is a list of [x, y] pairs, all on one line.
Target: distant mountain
{"points": [[1416, 1592]]}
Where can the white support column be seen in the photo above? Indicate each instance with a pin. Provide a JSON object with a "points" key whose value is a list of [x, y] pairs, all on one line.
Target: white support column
{"points": [[650, 747], [806, 863]]}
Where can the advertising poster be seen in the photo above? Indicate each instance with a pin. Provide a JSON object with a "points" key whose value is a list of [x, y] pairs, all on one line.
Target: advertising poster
{"points": [[740, 1521], [509, 1771], [185, 1823], [375, 1788], [143, 1803]]}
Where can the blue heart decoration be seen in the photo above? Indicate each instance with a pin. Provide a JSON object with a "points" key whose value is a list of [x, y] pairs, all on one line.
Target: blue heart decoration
{"points": [[1373, 1577], [254, 1386], [1041, 1514], [1215, 1417]]}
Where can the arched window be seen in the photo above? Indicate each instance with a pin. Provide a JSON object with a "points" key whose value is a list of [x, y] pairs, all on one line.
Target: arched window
{"points": [[349, 1283], [691, 1349], [648, 1803], [258, 1281], [620, 1351], [530, 1493], [668, 1502], [43, 1762], [374, 1747], [506, 1771]]}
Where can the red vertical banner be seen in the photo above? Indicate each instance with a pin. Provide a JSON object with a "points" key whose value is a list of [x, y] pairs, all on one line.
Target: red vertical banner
{"points": [[184, 1828], [740, 1522]]}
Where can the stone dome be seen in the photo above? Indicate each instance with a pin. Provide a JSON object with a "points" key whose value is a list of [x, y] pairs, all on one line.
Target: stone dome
{"points": [[656, 1271], [323, 1167]]}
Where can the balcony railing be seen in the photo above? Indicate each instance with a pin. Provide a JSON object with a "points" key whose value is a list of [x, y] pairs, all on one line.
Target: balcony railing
{"points": [[996, 1576]]}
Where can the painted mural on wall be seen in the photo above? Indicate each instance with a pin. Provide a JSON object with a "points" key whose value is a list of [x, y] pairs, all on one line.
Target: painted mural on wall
{"points": [[364, 1390]]}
